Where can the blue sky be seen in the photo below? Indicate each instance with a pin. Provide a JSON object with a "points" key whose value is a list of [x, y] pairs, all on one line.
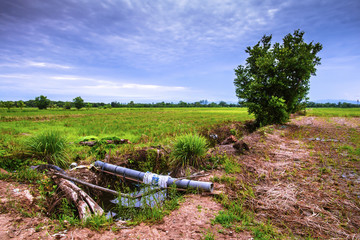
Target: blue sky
{"points": [[159, 50]]}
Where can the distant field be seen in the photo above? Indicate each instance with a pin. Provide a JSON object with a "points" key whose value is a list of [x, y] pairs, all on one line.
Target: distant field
{"points": [[334, 112], [139, 125]]}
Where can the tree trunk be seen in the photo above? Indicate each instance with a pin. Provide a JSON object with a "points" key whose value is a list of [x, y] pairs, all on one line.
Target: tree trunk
{"points": [[83, 202]]}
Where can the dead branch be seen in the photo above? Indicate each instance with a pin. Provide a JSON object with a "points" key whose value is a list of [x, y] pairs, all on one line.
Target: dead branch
{"points": [[93, 186], [83, 202]]}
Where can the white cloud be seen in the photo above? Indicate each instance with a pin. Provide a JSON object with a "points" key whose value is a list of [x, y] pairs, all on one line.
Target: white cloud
{"points": [[272, 12], [27, 64], [16, 76], [46, 65]]}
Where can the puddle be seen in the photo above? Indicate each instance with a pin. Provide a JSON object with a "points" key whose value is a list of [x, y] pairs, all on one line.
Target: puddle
{"points": [[151, 197], [141, 196]]}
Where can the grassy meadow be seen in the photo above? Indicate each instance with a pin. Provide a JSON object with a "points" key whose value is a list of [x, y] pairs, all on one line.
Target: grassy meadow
{"points": [[141, 126]]}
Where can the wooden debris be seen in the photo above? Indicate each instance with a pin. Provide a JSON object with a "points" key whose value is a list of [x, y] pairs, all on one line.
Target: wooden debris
{"points": [[241, 146], [228, 140], [84, 203], [93, 186]]}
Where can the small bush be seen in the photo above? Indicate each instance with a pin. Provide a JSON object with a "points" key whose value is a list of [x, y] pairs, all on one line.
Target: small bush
{"points": [[188, 150], [51, 147]]}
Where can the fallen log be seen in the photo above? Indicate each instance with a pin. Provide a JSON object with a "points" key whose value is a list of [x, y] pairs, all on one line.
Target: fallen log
{"points": [[84, 203], [93, 186]]}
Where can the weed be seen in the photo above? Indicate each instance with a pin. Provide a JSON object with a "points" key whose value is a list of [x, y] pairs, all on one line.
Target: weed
{"points": [[24, 174], [209, 236], [215, 161], [234, 213], [188, 150], [264, 231], [226, 218], [96, 222], [230, 180], [67, 214], [232, 166]]}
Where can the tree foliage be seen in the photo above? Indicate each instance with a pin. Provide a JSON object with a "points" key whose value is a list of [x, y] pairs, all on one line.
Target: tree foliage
{"points": [[20, 104], [78, 102], [67, 105], [275, 80], [42, 102], [8, 104]]}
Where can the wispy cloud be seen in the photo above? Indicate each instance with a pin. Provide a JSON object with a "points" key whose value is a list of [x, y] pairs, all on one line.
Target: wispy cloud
{"points": [[87, 86], [170, 31], [47, 65], [33, 64]]}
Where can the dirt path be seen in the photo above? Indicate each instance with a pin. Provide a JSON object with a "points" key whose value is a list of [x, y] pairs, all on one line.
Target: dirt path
{"points": [[191, 221]]}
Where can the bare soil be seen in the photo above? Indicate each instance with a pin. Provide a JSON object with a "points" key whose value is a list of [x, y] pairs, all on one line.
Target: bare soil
{"points": [[191, 221]]}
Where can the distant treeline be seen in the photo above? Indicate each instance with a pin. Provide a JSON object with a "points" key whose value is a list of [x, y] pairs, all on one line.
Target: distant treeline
{"points": [[332, 105], [115, 104], [131, 104]]}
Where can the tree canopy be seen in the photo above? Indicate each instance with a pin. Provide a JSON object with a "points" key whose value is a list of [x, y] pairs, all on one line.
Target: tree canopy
{"points": [[275, 80], [42, 102], [78, 102]]}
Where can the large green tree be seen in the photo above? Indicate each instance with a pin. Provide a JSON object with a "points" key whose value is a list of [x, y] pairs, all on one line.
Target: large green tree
{"points": [[78, 102], [42, 102], [275, 80]]}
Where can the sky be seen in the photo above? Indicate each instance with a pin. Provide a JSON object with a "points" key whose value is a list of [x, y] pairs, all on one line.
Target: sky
{"points": [[165, 50]]}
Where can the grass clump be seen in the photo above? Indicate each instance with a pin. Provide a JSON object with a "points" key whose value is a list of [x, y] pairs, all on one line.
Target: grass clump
{"points": [[51, 147], [188, 150]]}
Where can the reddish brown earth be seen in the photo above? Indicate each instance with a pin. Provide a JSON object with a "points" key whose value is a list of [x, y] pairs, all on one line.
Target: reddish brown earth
{"points": [[190, 221]]}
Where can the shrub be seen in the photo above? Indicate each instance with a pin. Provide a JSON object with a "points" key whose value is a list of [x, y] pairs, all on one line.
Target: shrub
{"points": [[188, 150], [51, 147]]}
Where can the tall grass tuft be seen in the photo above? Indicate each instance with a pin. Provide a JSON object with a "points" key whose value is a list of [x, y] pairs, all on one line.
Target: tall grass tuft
{"points": [[188, 150], [51, 147]]}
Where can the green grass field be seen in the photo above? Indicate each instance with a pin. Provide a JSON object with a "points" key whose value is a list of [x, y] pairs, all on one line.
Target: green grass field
{"points": [[138, 125], [142, 126], [334, 112]]}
